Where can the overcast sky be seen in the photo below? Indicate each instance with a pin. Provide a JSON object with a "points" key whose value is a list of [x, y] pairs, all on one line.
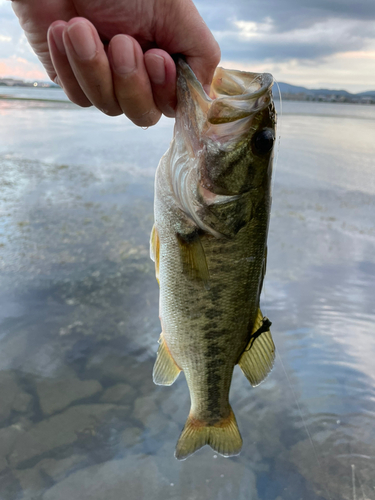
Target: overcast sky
{"points": [[314, 43]]}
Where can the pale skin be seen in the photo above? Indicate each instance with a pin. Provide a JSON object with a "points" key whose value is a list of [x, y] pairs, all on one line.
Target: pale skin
{"points": [[116, 54]]}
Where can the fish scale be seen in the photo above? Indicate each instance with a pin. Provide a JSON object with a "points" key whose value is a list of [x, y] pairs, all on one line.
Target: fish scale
{"points": [[212, 206]]}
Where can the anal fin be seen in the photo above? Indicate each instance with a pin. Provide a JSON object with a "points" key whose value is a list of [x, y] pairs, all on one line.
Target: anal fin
{"points": [[165, 369], [258, 358]]}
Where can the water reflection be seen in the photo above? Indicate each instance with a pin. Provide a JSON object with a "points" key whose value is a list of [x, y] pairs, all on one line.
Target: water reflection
{"points": [[80, 416]]}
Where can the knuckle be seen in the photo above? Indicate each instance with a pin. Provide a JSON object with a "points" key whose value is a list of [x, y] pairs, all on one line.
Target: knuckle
{"points": [[217, 55]]}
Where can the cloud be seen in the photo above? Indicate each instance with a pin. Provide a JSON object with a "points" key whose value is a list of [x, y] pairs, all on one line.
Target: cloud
{"points": [[18, 67], [4, 38], [16, 56], [286, 14], [259, 41], [353, 71], [290, 29]]}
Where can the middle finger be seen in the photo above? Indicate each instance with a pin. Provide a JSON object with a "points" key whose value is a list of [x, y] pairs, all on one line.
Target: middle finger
{"points": [[90, 65]]}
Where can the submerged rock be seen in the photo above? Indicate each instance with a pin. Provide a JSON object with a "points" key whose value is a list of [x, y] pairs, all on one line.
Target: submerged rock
{"points": [[55, 395], [31, 482], [10, 488], [8, 439], [36, 480], [12, 396], [133, 478], [335, 468], [119, 393], [207, 476], [58, 469], [62, 430], [130, 437], [144, 407]]}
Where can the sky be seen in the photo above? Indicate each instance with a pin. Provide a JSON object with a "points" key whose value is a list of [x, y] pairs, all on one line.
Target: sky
{"points": [[313, 43]]}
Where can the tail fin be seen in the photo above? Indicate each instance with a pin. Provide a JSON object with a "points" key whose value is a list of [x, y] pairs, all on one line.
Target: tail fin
{"points": [[223, 437]]}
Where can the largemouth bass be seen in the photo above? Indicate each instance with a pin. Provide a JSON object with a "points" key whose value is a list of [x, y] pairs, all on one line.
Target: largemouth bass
{"points": [[212, 208]]}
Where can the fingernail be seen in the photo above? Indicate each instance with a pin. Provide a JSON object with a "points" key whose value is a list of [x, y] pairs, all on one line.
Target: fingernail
{"points": [[155, 68], [57, 34], [82, 39], [122, 54]]}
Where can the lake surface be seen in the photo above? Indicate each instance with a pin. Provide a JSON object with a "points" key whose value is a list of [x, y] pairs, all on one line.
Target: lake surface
{"points": [[80, 417]]}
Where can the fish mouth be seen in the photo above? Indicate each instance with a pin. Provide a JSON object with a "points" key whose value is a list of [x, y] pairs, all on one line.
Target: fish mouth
{"points": [[234, 94]]}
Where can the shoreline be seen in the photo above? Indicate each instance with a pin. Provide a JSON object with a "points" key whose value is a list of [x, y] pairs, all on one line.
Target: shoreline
{"points": [[5, 97]]}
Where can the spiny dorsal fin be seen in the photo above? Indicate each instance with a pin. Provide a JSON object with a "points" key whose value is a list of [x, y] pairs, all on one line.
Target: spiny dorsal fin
{"points": [[155, 249], [257, 360], [165, 369], [194, 258], [223, 437]]}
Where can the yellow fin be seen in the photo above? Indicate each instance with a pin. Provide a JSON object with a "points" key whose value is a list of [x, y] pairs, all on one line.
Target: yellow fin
{"points": [[223, 437], [257, 360], [194, 258], [155, 249], [165, 369]]}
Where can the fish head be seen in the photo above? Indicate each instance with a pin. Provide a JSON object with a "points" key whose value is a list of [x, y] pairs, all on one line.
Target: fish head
{"points": [[231, 130]]}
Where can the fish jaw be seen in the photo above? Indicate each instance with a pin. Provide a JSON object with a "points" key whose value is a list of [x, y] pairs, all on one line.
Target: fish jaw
{"points": [[231, 135]]}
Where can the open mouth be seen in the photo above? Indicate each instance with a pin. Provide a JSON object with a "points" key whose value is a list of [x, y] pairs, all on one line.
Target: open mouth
{"points": [[238, 94], [227, 114], [233, 95], [239, 84]]}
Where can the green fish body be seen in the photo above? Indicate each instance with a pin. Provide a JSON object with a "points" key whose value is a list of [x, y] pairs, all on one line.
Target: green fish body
{"points": [[212, 208]]}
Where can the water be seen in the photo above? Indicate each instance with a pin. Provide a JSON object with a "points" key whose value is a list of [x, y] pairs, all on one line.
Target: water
{"points": [[80, 417], [34, 93]]}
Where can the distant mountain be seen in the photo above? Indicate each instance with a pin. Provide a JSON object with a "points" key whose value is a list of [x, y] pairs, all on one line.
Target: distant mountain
{"points": [[290, 89], [294, 89], [370, 93]]}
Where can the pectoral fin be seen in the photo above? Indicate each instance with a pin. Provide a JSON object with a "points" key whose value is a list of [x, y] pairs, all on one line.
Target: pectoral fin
{"points": [[257, 360], [155, 249], [165, 369], [194, 258]]}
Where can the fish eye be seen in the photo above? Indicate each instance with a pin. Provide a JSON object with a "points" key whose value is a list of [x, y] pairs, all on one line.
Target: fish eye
{"points": [[263, 141]]}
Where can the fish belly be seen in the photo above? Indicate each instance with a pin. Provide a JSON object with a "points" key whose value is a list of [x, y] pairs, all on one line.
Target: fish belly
{"points": [[206, 328]]}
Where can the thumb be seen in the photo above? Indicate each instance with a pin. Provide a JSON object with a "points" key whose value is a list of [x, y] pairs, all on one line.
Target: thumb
{"points": [[184, 32], [206, 57]]}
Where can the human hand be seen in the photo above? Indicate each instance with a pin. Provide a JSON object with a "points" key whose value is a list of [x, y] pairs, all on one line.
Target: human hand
{"points": [[116, 54]]}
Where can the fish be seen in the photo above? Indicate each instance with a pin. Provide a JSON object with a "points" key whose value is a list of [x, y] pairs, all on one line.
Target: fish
{"points": [[209, 244]]}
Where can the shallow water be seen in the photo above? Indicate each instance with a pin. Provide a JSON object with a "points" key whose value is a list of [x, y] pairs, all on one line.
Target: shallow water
{"points": [[80, 417]]}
